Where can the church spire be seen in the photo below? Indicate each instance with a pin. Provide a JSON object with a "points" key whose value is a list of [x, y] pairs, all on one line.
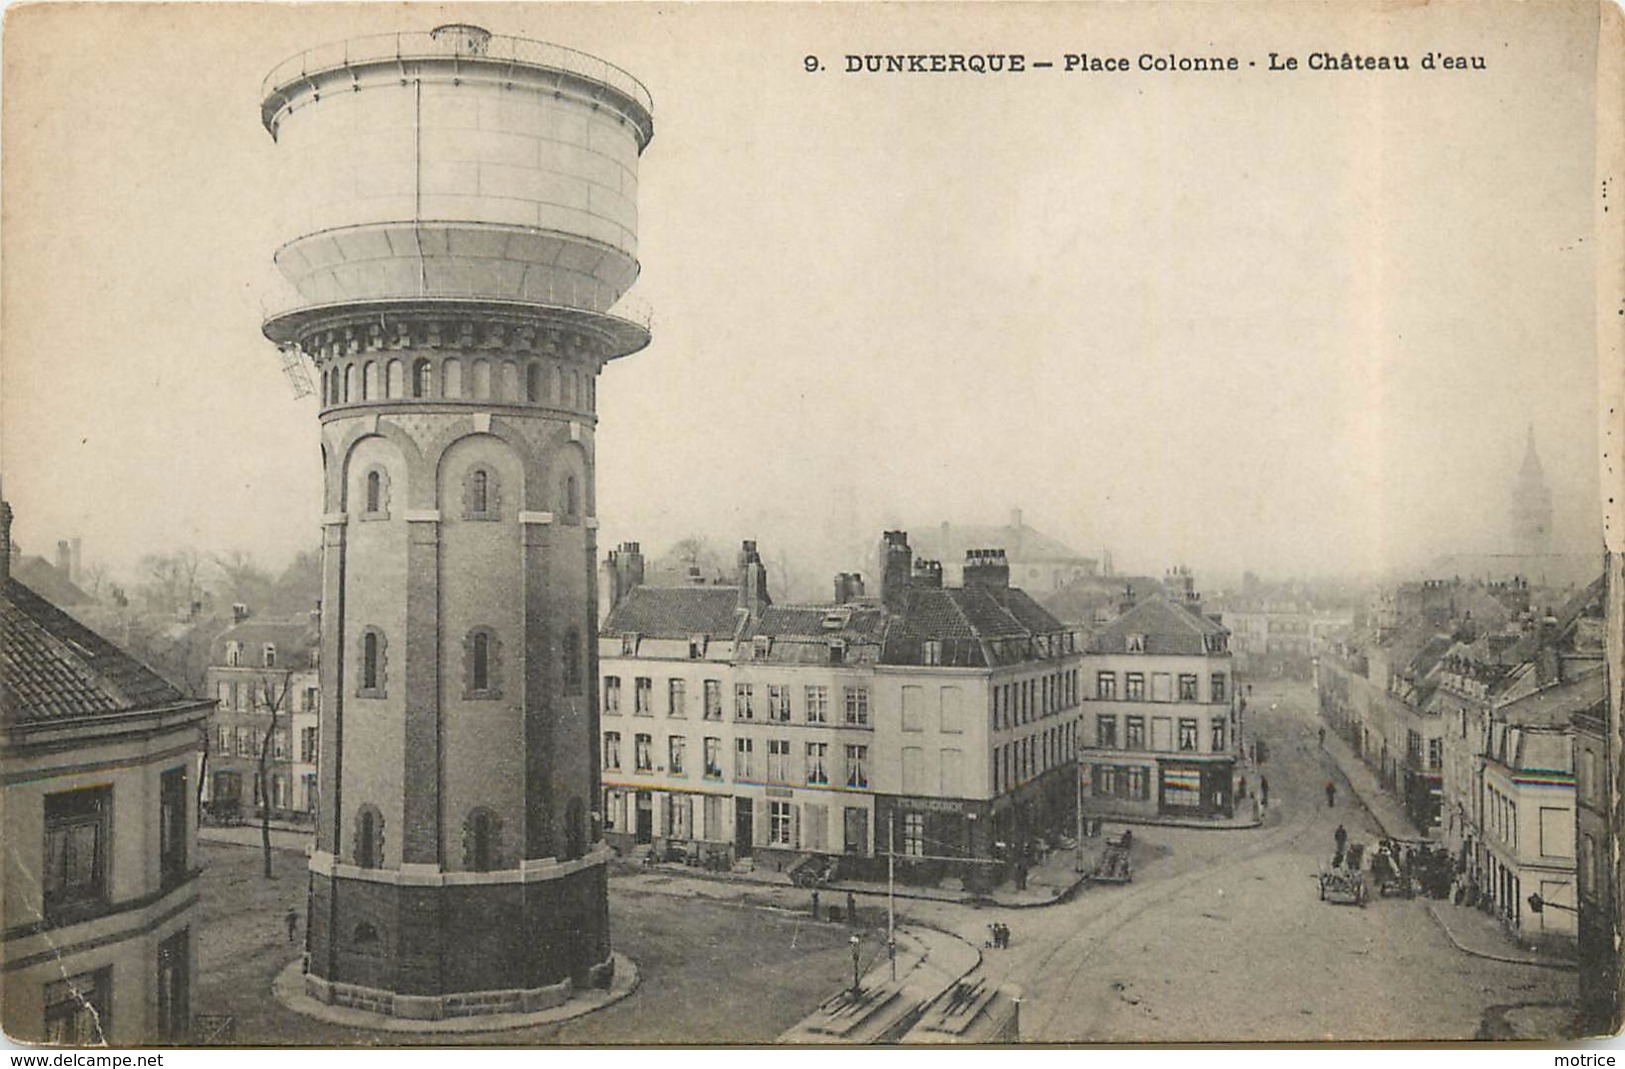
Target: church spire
{"points": [[1531, 458]]}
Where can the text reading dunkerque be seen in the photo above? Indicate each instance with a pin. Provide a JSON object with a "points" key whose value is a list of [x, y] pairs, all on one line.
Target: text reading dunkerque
{"points": [[1084, 62]]}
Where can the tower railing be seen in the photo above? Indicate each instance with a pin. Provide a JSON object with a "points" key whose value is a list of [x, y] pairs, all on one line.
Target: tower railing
{"points": [[579, 298], [493, 48]]}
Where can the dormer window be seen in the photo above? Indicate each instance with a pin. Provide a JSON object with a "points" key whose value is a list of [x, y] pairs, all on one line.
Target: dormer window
{"points": [[270, 655], [837, 652], [1136, 643], [932, 654], [696, 647], [629, 645], [761, 646], [234, 654]]}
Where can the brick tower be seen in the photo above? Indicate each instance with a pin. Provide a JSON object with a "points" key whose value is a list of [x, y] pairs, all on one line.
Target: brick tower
{"points": [[465, 228]]}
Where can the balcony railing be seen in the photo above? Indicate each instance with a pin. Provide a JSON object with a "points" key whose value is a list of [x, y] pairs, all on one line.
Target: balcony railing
{"points": [[482, 48]]}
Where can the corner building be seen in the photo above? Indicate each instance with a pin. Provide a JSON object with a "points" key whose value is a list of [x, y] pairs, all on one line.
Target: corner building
{"points": [[469, 228]]}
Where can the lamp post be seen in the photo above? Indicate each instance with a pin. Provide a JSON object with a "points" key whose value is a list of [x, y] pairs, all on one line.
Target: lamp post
{"points": [[854, 942], [891, 892]]}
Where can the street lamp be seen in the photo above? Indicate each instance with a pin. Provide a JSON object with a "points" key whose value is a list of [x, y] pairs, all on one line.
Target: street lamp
{"points": [[854, 942], [1537, 903]]}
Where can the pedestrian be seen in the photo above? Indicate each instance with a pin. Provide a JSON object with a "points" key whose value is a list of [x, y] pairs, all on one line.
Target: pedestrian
{"points": [[1341, 838], [1241, 791], [1322, 738], [292, 920], [815, 905], [1264, 790], [851, 908], [1331, 794]]}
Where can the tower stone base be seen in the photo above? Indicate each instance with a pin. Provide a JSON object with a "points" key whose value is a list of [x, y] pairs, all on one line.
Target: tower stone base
{"points": [[426, 944]]}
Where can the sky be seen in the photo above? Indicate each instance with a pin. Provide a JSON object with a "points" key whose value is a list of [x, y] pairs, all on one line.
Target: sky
{"points": [[1293, 322]]}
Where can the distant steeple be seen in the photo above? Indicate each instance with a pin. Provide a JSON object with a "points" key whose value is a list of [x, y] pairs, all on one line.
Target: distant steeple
{"points": [[1531, 504]]}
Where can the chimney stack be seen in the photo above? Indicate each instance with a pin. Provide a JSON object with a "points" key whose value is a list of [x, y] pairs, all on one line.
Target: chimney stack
{"points": [[239, 613], [64, 559], [1127, 601], [848, 587], [896, 566], [927, 573], [625, 571], [986, 568], [753, 595], [74, 572]]}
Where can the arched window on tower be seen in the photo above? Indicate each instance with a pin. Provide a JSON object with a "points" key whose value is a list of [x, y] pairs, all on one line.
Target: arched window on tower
{"points": [[482, 665], [553, 390], [451, 378], [482, 380], [571, 656], [482, 841], [369, 837], [480, 492], [352, 388], [422, 378], [575, 829], [375, 491], [369, 381], [375, 494], [374, 674], [333, 385], [392, 379], [572, 498], [481, 497], [510, 381], [533, 382]]}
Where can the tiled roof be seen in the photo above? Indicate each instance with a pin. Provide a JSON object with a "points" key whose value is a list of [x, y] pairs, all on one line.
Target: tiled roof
{"points": [[973, 625], [55, 668], [293, 639], [1169, 627], [1552, 706], [854, 622], [675, 612]]}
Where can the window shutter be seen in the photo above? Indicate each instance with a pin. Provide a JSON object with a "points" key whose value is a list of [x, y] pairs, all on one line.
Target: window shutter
{"points": [[795, 825]]}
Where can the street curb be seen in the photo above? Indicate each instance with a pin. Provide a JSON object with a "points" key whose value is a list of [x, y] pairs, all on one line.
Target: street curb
{"points": [[1504, 959]]}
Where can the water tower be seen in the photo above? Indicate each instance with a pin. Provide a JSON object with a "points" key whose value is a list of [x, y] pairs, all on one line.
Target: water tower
{"points": [[464, 227]]}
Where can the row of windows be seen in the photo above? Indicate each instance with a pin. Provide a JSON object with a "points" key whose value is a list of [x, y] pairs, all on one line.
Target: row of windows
{"points": [[1027, 700], [376, 380], [814, 769], [257, 695], [483, 845], [482, 664], [78, 1009], [78, 855], [1016, 762], [1187, 740], [775, 704], [246, 742], [482, 497], [1162, 687], [807, 826]]}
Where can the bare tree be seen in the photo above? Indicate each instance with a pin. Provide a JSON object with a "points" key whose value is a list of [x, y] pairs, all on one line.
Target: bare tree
{"points": [[273, 700], [243, 581], [171, 582]]}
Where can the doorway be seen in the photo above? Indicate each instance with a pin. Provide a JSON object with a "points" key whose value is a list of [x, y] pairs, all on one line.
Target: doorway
{"points": [[744, 818], [646, 818]]}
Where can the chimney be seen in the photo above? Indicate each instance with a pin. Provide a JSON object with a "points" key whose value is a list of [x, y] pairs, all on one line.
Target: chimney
{"points": [[5, 541], [694, 576], [1127, 601], [74, 572], [848, 587], [625, 571], [1548, 666], [896, 566], [753, 594], [927, 573], [239, 613], [64, 559], [986, 568]]}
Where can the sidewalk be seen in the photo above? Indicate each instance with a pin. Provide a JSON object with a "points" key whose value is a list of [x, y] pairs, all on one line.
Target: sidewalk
{"points": [[298, 842], [1470, 931], [1384, 809]]}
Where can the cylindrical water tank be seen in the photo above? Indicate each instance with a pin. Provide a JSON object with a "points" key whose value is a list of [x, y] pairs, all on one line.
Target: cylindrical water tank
{"points": [[456, 165]]}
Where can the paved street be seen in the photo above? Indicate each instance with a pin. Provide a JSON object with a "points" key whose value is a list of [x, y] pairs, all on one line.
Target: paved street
{"points": [[1221, 937]]}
